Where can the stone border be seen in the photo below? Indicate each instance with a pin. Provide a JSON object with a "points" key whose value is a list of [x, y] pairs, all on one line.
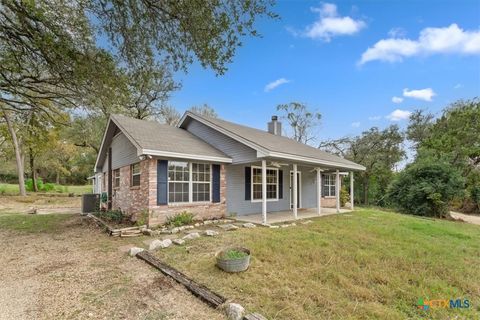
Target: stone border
{"points": [[165, 230]]}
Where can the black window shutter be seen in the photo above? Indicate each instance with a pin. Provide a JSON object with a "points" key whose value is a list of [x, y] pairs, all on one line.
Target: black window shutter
{"points": [[215, 183], [280, 184], [162, 182], [248, 183]]}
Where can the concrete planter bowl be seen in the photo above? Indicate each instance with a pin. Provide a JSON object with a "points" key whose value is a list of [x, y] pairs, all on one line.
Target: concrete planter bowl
{"points": [[233, 264]]}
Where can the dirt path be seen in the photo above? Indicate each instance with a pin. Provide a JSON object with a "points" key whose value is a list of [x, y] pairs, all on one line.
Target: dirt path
{"points": [[79, 273], [466, 217]]}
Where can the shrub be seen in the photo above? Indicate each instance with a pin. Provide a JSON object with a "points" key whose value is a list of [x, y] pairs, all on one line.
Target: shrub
{"points": [[425, 188], [141, 218], [111, 215], [3, 190], [344, 196], [48, 187], [29, 184], [104, 197], [475, 196], [180, 219]]}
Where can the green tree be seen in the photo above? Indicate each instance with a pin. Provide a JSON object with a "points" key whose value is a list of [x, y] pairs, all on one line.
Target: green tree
{"points": [[302, 121], [419, 127], [379, 151], [426, 187]]}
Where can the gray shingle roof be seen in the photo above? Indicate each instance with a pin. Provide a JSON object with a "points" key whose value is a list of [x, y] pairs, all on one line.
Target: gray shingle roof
{"points": [[152, 135], [275, 143]]}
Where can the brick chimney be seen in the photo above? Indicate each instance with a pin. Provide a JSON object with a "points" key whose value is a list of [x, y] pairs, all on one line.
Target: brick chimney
{"points": [[274, 126]]}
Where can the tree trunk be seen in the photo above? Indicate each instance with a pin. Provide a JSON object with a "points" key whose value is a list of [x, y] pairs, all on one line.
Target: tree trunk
{"points": [[33, 170], [365, 189], [18, 155], [57, 178]]}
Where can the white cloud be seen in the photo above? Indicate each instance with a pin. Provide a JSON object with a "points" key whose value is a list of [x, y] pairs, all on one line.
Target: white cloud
{"points": [[398, 115], [451, 39], [420, 94], [330, 24], [458, 86], [355, 124], [397, 100], [374, 118], [274, 84], [397, 33]]}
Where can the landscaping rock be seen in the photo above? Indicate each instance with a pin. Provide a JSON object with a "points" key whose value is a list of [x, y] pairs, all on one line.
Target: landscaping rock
{"points": [[147, 232], [207, 222], [175, 230], [133, 251], [285, 226], [191, 236], [166, 243], [211, 233], [155, 244], [249, 225], [307, 221], [228, 227], [196, 225], [189, 227], [179, 242], [274, 227], [235, 311]]}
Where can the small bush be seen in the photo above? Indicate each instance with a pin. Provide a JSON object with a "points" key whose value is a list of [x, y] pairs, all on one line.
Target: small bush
{"points": [[475, 196], [39, 182], [48, 187], [104, 197], [112, 215], [3, 190], [180, 219], [426, 188], [141, 218], [233, 254], [344, 196]]}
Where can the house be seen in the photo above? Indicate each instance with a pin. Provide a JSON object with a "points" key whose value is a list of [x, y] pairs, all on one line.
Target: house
{"points": [[212, 168]]}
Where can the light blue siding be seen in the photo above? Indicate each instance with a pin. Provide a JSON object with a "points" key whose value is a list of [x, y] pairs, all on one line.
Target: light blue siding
{"points": [[237, 204], [234, 149], [123, 153]]}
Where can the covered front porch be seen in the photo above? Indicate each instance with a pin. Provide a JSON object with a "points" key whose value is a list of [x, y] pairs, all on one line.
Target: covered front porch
{"points": [[284, 216], [273, 190]]}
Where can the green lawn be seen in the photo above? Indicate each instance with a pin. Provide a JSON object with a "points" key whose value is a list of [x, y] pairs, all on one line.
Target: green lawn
{"points": [[49, 223], [12, 189], [368, 265]]}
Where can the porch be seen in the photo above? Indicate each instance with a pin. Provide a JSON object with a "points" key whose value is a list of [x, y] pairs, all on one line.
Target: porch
{"points": [[284, 216]]}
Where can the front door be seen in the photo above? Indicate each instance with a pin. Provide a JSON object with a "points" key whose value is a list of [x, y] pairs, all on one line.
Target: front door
{"points": [[299, 189]]}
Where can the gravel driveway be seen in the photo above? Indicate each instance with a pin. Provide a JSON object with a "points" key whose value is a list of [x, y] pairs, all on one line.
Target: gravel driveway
{"points": [[80, 273]]}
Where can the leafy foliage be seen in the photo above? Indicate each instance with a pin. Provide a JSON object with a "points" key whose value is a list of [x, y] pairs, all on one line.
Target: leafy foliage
{"points": [[344, 196], [180, 219], [425, 188], [233, 254], [111, 215]]}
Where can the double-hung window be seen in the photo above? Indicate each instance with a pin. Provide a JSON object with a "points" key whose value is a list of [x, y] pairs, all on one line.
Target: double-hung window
{"points": [[178, 181], [135, 175], [201, 182], [329, 185], [189, 182], [116, 178], [272, 184]]}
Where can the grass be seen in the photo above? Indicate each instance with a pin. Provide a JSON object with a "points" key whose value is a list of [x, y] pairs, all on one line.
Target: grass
{"points": [[50, 223], [233, 254], [12, 189], [371, 264]]}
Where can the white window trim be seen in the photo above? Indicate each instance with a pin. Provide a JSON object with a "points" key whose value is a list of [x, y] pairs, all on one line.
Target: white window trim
{"points": [[190, 185], [135, 174], [251, 184], [115, 178], [332, 176]]}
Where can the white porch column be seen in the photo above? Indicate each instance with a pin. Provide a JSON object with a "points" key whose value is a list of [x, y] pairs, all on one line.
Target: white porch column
{"points": [[264, 191], [337, 190], [351, 190], [319, 191], [294, 191]]}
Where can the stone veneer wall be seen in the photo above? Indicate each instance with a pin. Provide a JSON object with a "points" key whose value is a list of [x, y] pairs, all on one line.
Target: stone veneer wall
{"points": [[132, 200], [329, 202]]}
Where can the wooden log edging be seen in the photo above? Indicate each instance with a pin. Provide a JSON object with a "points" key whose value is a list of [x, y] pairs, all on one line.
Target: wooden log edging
{"points": [[211, 298], [122, 232]]}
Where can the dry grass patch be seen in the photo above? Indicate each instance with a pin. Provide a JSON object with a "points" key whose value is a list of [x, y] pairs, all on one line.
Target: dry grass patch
{"points": [[345, 267]]}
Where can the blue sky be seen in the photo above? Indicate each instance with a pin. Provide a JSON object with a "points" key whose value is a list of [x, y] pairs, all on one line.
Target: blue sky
{"points": [[424, 53]]}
